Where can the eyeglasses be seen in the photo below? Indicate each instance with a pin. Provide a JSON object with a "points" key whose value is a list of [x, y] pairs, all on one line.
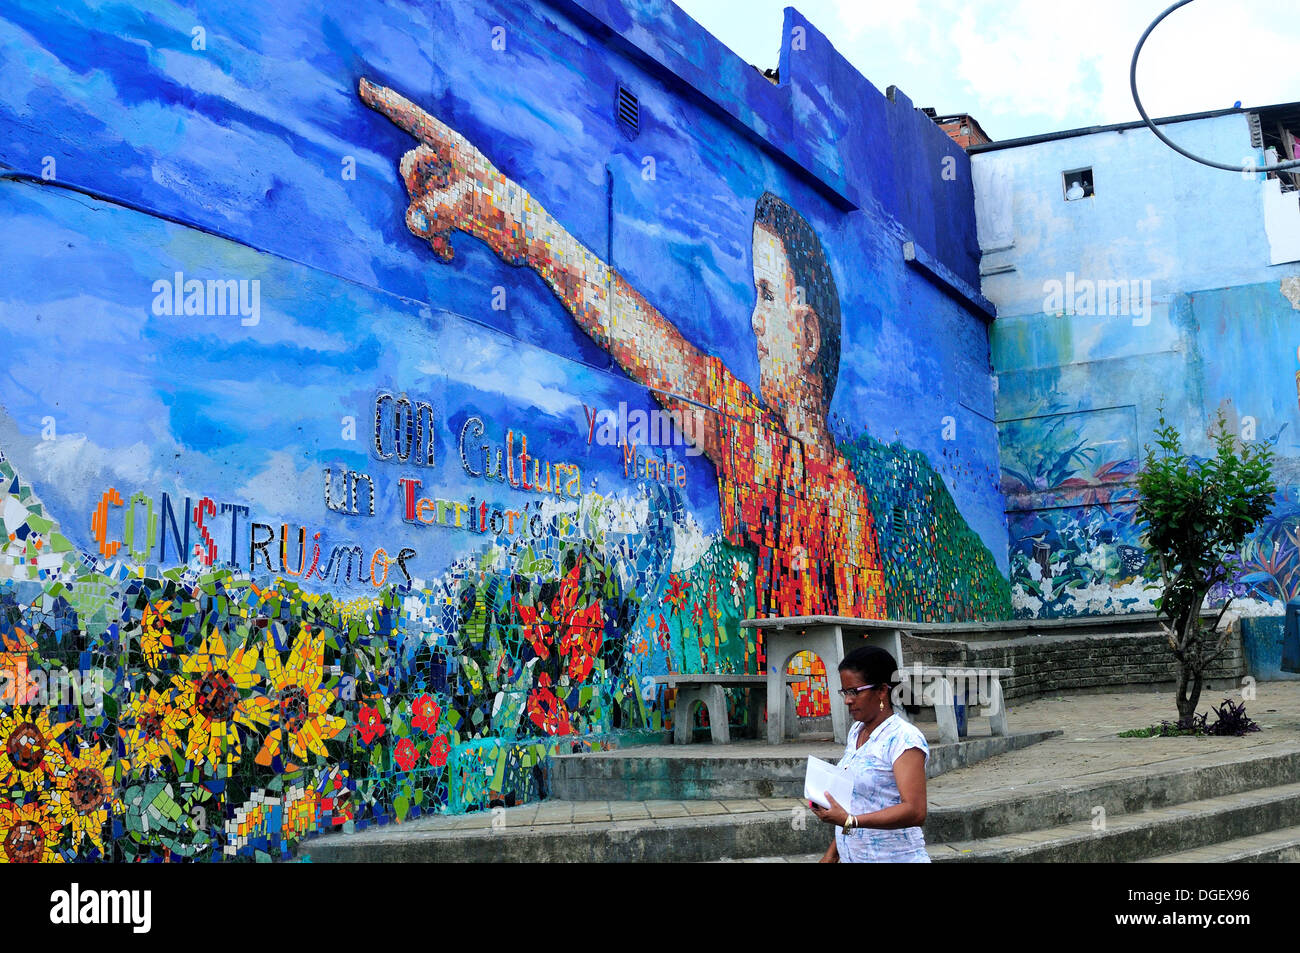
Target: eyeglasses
{"points": [[847, 693]]}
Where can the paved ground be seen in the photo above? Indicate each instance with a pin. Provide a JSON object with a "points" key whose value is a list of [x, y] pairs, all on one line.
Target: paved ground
{"points": [[1090, 746]]}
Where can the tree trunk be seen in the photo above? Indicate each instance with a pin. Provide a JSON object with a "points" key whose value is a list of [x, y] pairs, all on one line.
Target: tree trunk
{"points": [[1191, 665], [1189, 693]]}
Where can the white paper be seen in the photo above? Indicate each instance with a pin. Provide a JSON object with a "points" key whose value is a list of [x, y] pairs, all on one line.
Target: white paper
{"points": [[823, 776]]}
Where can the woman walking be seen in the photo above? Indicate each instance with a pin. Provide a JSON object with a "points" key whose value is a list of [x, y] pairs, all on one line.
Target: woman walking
{"points": [[886, 756]]}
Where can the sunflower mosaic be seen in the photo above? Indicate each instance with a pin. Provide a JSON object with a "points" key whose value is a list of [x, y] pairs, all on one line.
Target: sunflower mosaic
{"points": [[216, 690], [30, 753], [29, 834], [85, 796], [298, 703]]}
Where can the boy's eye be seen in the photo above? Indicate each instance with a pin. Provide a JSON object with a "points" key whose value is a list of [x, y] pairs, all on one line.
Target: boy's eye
{"points": [[766, 290]]}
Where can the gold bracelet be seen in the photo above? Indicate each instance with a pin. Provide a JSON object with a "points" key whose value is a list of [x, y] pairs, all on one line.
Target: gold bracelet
{"points": [[850, 822]]}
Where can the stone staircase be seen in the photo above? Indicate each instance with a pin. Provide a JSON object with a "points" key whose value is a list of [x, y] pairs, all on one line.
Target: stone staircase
{"points": [[1236, 808], [649, 804], [1233, 806], [1229, 807]]}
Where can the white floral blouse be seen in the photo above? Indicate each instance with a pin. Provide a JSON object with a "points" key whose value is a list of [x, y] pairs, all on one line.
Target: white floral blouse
{"points": [[875, 789]]}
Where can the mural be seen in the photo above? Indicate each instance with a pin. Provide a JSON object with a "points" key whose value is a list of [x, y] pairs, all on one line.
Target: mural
{"points": [[286, 549], [1076, 548], [1070, 482]]}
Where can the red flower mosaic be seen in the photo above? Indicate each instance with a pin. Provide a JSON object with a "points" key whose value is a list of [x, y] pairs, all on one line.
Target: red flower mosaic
{"points": [[438, 753], [370, 725], [581, 643], [535, 631], [581, 626], [406, 754], [425, 713], [547, 711]]}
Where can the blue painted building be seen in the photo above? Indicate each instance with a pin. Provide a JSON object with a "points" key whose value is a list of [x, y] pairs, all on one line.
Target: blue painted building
{"points": [[1126, 275]]}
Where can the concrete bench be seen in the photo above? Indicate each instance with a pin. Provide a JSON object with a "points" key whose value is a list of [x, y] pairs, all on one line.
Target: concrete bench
{"points": [[827, 638], [706, 689], [939, 687]]}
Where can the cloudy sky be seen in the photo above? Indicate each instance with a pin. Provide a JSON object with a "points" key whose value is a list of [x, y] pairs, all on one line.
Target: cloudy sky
{"points": [[1023, 67]]}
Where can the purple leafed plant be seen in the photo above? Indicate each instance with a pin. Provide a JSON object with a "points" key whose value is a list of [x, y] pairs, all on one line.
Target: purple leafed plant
{"points": [[1232, 720]]}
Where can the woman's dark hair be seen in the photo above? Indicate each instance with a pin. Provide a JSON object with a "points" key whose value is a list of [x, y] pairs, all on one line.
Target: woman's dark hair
{"points": [[812, 273], [873, 665]]}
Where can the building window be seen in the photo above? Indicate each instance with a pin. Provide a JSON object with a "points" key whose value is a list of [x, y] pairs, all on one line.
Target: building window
{"points": [[1077, 184], [627, 110], [1274, 131]]}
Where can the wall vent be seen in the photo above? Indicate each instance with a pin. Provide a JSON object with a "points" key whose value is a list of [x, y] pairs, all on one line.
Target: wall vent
{"points": [[627, 110]]}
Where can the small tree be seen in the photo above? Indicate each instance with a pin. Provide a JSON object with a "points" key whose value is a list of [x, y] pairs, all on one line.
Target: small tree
{"points": [[1198, 513]]}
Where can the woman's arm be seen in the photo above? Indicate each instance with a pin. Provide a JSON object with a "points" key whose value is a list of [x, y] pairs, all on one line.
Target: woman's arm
{"points": [[832, 855], [909, 775]]}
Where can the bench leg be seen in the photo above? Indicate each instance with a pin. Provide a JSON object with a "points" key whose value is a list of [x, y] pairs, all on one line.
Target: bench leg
{"points": [[997, 709], [775, 705], [756, 696], [715, 700], [945, 712], [687, 696]]}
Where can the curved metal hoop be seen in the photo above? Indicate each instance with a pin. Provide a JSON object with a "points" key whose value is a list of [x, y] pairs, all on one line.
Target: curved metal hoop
{"points": [[1132, 82]]}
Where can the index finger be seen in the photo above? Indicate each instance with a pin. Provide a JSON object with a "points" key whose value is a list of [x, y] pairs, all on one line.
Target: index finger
{"points": [[404, 113]]}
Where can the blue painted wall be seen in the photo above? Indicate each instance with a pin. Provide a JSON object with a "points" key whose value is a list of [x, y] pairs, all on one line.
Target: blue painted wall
{"points": [[165, 474], [1207, 324]]}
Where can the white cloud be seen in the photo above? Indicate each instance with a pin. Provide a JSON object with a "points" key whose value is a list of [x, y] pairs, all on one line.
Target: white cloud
{"points": [[75, 460], [281, 486], [1024, 66], [484, 367]]}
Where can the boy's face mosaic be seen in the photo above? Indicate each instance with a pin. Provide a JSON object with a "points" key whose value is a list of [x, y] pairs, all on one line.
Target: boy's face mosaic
{"points": [[785, 328]]}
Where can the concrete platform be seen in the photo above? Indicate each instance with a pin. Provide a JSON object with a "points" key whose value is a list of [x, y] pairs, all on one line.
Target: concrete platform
{"points": [[743, 769], [1234, 799], [1166, 800]]}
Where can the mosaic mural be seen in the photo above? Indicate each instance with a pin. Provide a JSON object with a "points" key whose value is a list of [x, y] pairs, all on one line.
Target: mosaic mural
{"points": [[285, 553]]}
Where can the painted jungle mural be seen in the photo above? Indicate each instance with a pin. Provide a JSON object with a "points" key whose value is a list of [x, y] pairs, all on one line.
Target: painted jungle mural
{"points": [[1070, 481]]}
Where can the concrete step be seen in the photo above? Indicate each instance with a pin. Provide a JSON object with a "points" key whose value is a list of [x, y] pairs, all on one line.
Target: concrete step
{"points": [[740, 770], [1121, 792], [793, 859], [591, 832], [1280, 846], [1131, 837], [1207, 801]]}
